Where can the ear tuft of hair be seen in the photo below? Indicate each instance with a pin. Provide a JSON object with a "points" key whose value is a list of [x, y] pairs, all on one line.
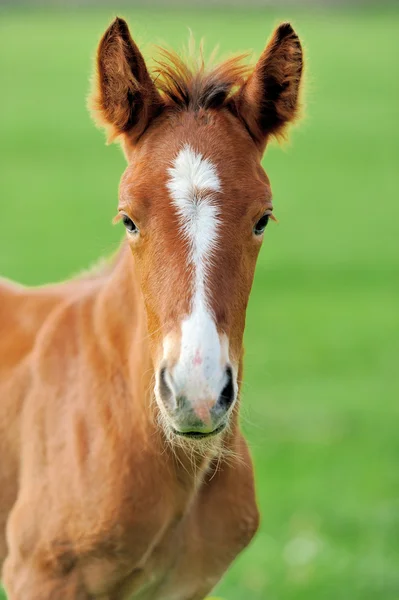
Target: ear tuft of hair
{"points": [[283, 30]]}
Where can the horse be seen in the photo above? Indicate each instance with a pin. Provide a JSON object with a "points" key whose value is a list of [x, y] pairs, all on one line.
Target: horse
{"points": [[124, 473]]}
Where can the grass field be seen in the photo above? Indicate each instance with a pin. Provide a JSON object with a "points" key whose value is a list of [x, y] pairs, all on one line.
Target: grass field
{"points": [[321, 392]]}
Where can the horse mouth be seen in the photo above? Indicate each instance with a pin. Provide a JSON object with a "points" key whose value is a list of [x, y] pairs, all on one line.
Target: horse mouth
{"points": [[199, 435]]}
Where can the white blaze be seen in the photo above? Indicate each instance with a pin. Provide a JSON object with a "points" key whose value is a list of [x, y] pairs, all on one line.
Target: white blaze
{"points": [[193, 184]]}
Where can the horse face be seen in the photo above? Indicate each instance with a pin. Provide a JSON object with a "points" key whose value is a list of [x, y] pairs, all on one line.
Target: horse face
{"points": [[195, 202]]}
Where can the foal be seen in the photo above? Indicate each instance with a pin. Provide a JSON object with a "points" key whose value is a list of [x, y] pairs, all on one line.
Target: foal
{"points": [[123, 471]]}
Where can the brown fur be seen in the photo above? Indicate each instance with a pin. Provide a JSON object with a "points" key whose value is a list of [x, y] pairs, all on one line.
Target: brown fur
{"points": [[274, 86], [194, 86], [99, 500]]}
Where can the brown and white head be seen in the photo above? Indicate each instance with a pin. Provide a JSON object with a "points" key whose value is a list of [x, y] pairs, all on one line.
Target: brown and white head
{"points": [[195, 202]]}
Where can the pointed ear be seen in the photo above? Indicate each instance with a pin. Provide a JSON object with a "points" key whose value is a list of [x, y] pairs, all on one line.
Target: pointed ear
{"points": [[268, 100], [125, 98]]}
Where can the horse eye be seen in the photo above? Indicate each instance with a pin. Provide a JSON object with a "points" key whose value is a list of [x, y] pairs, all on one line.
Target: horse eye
{"points": [[261, 224], [128, 223]]}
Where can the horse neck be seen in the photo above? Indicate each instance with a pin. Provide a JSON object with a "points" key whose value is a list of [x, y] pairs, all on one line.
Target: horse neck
{"points": [[121, 325]]}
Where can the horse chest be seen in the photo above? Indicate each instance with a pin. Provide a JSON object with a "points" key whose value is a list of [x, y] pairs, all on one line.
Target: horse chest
{"points": [[148, 576], [151, 581]]}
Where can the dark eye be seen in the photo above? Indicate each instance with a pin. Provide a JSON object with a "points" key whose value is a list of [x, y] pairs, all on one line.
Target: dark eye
{"points": [[128, 223], [261, 224]]}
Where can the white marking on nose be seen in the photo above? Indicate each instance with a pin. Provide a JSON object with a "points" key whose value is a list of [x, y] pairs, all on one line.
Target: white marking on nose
{"points": [[200, 370]]}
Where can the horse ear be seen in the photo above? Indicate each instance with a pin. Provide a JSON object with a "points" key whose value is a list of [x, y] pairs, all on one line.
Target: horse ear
{"points": [[125, 98], [268, 100]]}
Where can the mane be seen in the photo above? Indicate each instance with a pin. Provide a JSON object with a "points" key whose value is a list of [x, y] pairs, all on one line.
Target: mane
{"points": [[190, 84]]}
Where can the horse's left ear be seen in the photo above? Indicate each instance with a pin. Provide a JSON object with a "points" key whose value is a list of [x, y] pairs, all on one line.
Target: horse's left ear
{"points": [[269, 99], [125, 98]]}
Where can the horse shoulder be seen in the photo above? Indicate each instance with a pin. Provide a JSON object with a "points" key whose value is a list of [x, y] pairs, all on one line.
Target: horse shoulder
{"points": [[23, 312], [73, 454]]}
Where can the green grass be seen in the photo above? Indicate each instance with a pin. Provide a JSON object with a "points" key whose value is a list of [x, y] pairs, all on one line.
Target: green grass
{"points": [[321, 392]]}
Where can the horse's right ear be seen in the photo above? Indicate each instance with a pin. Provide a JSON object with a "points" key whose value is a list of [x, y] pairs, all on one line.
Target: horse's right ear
{"points": [[125, 98]]}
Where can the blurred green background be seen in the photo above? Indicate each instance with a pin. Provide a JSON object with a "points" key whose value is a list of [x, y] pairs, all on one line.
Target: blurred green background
{"points": [[321, 391]]}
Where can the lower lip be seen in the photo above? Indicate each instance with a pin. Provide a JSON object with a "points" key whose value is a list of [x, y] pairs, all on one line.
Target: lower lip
{"points": [[197, 435]]}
